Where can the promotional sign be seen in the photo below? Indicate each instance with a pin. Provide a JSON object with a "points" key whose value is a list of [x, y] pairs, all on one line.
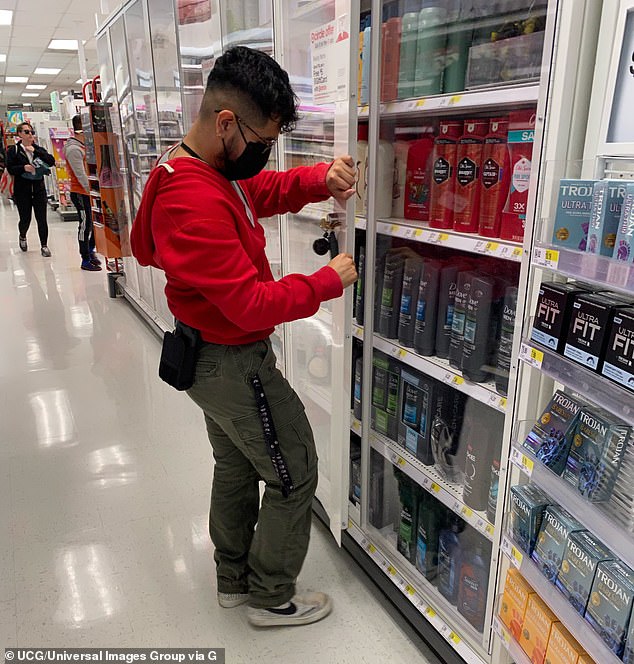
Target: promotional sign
{"points": [[328, 47]]}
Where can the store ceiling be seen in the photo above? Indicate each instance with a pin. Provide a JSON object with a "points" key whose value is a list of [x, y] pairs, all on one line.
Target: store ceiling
{"points": [[25, 44]]}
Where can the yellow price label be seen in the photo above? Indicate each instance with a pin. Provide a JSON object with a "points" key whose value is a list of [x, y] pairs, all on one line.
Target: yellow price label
{"points": [[517, 555], [490, 529], [467, 511], [457, 380], [492, 246], [401, 461], [394, 229], [402, 352], [430, 612], [517, 252], [391, 570], [435, 487], [552, 256], [537, 355], [420, 103], [409, 590], [527, 463], [455, 99], [418, 232], [372, 548], [455, 638], [503, 402], [444, 237]]}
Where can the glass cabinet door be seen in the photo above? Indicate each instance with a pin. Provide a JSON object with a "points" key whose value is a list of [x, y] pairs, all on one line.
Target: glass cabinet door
{"points": [[317, 347]]}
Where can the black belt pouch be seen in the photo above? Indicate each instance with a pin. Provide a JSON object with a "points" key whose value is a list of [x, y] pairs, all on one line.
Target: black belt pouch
{"points": [[179, 355]]}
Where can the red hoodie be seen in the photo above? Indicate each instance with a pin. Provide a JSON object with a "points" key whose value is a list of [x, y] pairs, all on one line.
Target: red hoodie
{"points": [[193, 224]]}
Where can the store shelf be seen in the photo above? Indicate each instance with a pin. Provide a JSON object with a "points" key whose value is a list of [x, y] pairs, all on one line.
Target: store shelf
{"points": [[576, 624], [509, 643], [355, 425], [477, 100], [429, 479], [600, 270], [475, 244], [586, 383], [601, 519], [442, 371], [419, 595]]}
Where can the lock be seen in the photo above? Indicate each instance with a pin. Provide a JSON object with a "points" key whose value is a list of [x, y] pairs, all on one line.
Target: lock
{"points": [[328, 242]]}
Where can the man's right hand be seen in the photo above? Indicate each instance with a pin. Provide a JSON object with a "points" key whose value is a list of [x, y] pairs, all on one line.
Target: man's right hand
{"points": [[29, 168], [343, 265]]}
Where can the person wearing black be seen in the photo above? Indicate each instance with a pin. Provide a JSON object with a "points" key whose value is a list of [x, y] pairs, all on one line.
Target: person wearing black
{"points": [[28, 163]]}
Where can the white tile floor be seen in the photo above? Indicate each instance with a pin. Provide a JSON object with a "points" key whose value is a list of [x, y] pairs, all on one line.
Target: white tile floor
{"points": [[104, 482]]}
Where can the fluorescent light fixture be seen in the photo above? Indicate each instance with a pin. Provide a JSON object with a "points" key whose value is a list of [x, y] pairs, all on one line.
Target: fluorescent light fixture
{"points": [[3, 57], [30, 94], [35, 86], [63, 45], [47, 71], [16, 79], [6, 16]]}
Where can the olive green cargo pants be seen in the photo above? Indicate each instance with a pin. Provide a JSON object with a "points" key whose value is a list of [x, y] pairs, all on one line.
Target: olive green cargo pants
{"points": [[263, 561]]}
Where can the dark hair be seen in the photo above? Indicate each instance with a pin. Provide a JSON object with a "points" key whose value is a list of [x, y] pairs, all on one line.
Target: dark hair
{"points": [[21, 126], [257, 78], [77, 126]]}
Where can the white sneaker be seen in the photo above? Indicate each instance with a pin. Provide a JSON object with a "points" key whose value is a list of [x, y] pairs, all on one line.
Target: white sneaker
{"points": [[302, 610], [231, 600]]}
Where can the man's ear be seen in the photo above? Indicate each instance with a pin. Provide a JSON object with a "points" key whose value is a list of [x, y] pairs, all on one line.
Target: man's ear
{"points": [[224, 121]]}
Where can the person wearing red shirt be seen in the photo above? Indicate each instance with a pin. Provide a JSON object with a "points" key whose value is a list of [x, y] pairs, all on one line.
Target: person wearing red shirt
{"points": [[198, 221]]}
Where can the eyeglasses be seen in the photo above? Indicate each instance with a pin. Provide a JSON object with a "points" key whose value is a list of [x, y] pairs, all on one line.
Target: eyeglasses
{"points": [[28, 132], [268, 143]]}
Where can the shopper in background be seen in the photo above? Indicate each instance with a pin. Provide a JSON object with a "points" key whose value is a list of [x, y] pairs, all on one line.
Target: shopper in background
{"points": [[28, 163], [198, 221], [75, 154]]}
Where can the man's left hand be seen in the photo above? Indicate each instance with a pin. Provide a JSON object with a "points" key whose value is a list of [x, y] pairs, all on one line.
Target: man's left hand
{"points": [[341, 178]]}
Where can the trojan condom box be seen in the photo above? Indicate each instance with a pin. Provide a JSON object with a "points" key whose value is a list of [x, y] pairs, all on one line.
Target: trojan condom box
{"points": [[556, 527], [572, 218], [528, 503], [552, 314], [551, 436], [517, 592], [598, 447], [618, 360], [610, 604], [607, 202], [582, 555], [588, 333], [562, 647], [628, 652], [624, 243], [538, 623]]}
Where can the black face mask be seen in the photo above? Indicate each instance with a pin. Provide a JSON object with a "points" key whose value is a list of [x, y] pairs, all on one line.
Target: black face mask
{"points": [[252, 160]]}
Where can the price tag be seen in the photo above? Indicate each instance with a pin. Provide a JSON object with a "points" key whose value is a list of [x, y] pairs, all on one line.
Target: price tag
{"points": [[501, 632], [429, 612], [372, 549], [438, 238], [442, 103], [426, 482], [409, 590], [517, 252], [548, 258], [455, 638], [515, 556], [480, 523], [492, 247], [409, 232], [445, 631], [467, 511], [524, 463], [490, 530], [531, 356], [402, 353], [391, 570], [394, 229], [435, 487], [401, 461], [420, 103], [455, 100], [418, 232], [479, 246], [456, 506], [457, 380], [503, 403]]}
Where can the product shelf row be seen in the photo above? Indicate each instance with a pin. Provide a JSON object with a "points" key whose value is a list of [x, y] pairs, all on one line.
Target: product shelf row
{"points": [[582, 381], [429, 479], [474, 244], [419, 591], [610, 273], [560, 606], [510, 644], [439, 369], [470, 101]]}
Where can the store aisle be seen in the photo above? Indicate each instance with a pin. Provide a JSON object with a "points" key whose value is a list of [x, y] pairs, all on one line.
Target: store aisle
{"points": [[104, 482]]}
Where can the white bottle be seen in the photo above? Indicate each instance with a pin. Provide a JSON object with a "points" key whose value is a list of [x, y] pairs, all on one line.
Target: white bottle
{"points": [[401, 149], [361, 196]]}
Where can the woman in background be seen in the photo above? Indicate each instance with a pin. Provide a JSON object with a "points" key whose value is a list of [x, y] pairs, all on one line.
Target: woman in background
{"points": [[28, 163]]}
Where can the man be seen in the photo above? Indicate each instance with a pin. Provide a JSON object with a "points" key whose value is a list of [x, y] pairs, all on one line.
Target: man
{"points": [[75, 153], [198, 222]]}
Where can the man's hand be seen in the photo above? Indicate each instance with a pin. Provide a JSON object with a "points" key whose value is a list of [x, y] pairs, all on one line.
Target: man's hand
{"points": [[341, 177], [343, 265], [29, 168]]}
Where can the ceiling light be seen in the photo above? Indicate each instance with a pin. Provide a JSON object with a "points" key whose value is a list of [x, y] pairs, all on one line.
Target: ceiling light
{"points": [[35, 86], [64, 45], [30, 94], [16, 79], [46, 71], [6, 16], [3, 57]]}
